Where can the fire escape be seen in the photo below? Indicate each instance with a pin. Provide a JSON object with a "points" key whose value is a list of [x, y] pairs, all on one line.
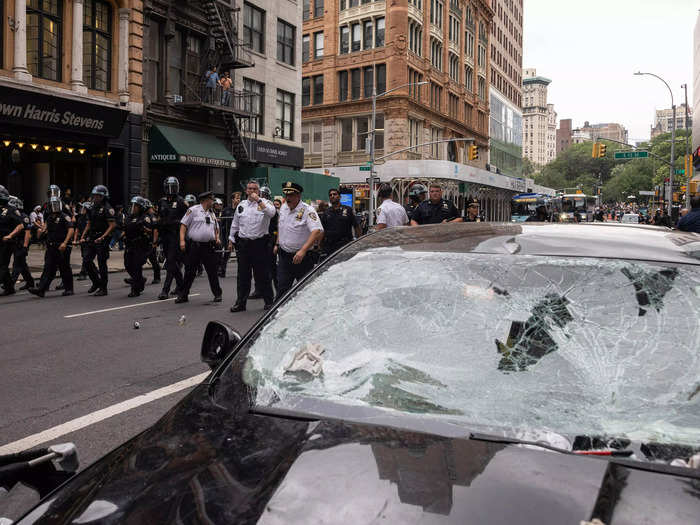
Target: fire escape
{"points": [[237, 109]]}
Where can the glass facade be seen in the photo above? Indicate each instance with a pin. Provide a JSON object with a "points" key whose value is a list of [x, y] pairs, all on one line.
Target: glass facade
{"points": [[506, 128]]}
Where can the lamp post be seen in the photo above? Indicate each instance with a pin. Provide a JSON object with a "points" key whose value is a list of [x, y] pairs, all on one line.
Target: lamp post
{"points": [[372, 133], [673, 140], [688, 176]]}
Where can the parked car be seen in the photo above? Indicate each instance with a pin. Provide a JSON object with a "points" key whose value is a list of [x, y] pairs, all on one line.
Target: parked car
{"points": [[463, 373], [630, 218]]}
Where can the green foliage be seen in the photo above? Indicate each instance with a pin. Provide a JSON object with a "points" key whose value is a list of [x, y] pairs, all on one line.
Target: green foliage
{"points": [[628, 179], [661, 147], [529, 168]]}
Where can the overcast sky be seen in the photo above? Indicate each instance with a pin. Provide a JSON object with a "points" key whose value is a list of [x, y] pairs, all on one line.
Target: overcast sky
{"points": [[590, 49]]}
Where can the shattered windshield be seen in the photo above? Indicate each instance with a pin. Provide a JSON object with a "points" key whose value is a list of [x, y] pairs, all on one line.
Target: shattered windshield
{"points": [[576, 346]]}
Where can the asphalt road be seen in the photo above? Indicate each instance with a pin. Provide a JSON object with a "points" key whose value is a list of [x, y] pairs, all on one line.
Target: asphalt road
{"points": [[58, 368]]}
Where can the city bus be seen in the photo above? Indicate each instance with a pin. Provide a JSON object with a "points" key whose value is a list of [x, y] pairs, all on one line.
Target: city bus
{"points": [[567, 207], [524, 207]]}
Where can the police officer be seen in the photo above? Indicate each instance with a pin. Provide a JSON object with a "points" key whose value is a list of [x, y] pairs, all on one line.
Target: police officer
{"points": [[80, 225], [97, 234], [473, 212], [54, 191], [152, 253], [416, 195], [250, 232], [171, 210], [299, 229], [266, 193], [200, 228], [435, 210], [59, 233], [11, 226], [338, 223], [190, 200], [138, 233], [389, 213], [225, 224], [19, 257]]}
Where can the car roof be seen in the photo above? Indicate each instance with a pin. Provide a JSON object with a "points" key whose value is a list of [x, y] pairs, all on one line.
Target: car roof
{"points": [[599, 240]]}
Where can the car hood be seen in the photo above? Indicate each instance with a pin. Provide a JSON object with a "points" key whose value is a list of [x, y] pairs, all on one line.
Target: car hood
{"points": [[205, 462]]}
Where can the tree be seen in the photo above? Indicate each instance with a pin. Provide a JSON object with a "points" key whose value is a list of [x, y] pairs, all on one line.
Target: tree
{"points": [[529, 168], [628, 179]]}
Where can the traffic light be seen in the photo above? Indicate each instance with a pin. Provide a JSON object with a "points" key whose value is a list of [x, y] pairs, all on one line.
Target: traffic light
{"points": [[693, 187], [601, 150], [689, 166], [594, 154], [473, 152]]}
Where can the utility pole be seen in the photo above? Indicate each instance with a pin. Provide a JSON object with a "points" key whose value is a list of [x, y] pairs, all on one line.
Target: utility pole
{"points": [[688, 165]]}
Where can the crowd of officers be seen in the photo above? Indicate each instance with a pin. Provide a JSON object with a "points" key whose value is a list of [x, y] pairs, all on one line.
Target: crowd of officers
{"points": [[276, 243]]}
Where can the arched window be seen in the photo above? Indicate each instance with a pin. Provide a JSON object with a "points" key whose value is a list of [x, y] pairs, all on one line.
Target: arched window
{"points": [[44, 33], [97, 45]]}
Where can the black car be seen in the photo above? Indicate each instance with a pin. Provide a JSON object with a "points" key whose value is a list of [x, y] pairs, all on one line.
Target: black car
{"points": [[461, 373]]}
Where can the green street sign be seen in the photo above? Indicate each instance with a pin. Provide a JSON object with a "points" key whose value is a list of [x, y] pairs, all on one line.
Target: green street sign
{"points": [[631, 155], [680, 172], [364, 168]]}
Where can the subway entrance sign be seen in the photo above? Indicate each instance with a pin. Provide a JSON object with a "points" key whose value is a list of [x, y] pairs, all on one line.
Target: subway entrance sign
{"points": [[631, 155]]}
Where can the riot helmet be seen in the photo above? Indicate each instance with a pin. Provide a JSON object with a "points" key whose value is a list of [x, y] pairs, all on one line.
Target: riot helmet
{"points": [[53, 191], [100, 193], [138, 205], [417, 190], [190, 199], [4, 195], [55, 204], [265, 193], [15, 202], [171, 186], [218, 202]]}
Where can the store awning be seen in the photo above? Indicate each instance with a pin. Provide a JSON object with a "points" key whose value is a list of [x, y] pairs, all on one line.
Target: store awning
{"points": [[175, 145]]}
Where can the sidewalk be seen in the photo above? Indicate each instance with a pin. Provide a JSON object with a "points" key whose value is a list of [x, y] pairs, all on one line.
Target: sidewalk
{"points": [[35, 260]]}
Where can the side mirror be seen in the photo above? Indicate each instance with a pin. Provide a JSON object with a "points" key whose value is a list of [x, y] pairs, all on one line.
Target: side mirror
{"points": [[218, 342]]}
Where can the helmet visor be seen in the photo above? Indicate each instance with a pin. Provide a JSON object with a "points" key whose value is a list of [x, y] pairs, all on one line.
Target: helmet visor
{"points": [[55, 204], [54, 191], [171, 187]]}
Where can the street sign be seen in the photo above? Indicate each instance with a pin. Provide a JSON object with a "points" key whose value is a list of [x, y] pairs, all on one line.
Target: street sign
{"points": [[365, 168], [680, 172], [370, 180], [631, 155], [647, 193]]}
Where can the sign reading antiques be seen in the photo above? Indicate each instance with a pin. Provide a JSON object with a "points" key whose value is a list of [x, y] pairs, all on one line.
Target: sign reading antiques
{"points": [[31, 109], [272, 153]]}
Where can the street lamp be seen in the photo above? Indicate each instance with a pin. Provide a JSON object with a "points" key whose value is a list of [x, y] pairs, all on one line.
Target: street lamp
{"points": [[372, 133], [673, 139]]}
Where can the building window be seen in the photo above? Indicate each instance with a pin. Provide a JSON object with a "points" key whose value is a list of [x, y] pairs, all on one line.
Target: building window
{"points": [[454, 29], [151, 59], [193, 60], [367, 34], [305, 43], [97, 45], [344, 40], [311, 137], [469, 44], [355, 83], [414, 77], [379, 135], [436, 53], [254, 27], [175, 50], [435, 137], [481, 59], [306, 9], [355, 131], [285, 42], [318, 45], [417, 3], [415, 37], [346, 134], [454, 67], [379, 32], [435, 96], [368, 81], [44, 34], [342, 85], [356, 37], [468, 110], [436, 9], [318, 89], [469, 16], [285, 114], [305, 91], [318, 8], [380, 73], [482, 88], [254, 95], [453, 106], [469, 78], [415, 130]]}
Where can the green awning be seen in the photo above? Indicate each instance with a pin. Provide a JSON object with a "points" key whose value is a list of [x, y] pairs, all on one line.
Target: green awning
{"points": [[168, 145]]}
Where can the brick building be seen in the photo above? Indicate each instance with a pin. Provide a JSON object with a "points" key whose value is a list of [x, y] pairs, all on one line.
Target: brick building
{"points": [[564, 135]]}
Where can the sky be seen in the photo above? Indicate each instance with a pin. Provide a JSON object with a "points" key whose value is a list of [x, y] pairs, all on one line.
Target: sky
{"points": [[590, 50]]}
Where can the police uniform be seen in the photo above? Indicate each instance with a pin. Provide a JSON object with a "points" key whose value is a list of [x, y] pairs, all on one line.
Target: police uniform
{"points": [[202, 229], [250, 232], [99, 219], [294, 229], [225, 223], [138, 233], [58, 224], [152, 254], [19, 258], [10, 218], [171, 210], [391, 214], [81, 221], [338, 224], [428, 213]]}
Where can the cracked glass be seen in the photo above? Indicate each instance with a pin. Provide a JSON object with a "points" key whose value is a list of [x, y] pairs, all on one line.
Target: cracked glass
{"points": [[576, 346]]}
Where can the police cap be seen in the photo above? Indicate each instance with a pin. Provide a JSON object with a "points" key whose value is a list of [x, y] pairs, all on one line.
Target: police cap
{"points": [[291, 187], [205, 195]]}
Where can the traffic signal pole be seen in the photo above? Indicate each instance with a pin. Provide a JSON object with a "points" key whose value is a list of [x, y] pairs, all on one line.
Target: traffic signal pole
{"points": [[688, 164]]}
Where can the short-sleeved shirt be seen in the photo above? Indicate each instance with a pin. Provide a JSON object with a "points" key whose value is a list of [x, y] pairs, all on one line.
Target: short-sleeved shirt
{"points": [[392, 214], [296, 225], [428, 213], [198, 229], [338, 224], [100, 216], [212, 79], [252, 220], [226, 83], [57, 226], [10, 217]]}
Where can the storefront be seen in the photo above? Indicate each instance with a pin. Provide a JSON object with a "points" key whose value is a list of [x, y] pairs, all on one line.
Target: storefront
{"points": [[50, 139]]}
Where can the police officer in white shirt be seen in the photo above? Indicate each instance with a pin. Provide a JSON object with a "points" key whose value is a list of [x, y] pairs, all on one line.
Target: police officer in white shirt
{"points": [[250, 232], [200, 228], [390, 213], [299, 229]]}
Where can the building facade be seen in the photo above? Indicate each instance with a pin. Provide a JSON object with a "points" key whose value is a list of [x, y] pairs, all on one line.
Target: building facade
{"points": [[696, 89], [564, 135], [539, 120], [505, 87], [71, 98], [663, 120], [608, 130]]}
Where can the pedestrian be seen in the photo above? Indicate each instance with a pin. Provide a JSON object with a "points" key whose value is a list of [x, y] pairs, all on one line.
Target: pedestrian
{"points": [[435, 210], [200, 228], [117, 238], [37, 223], [690, 222], [100, 225], [389, 213], [339, 224], [299, 228], [19, 257], [417, 194], [250, 232], [171, 210], [211, 80], [11, 226], [225, 84], [225, 224], [59, 233], [153, 240], [80, 225], [473, 212], [138, 234]]}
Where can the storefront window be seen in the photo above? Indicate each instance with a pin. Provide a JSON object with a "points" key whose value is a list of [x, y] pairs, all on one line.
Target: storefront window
{"points": [[97, 45], [44, 33]]}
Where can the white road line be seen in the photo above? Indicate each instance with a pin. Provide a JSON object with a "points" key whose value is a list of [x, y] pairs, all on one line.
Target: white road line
{"points": [[123, 307], [99, 415]]}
